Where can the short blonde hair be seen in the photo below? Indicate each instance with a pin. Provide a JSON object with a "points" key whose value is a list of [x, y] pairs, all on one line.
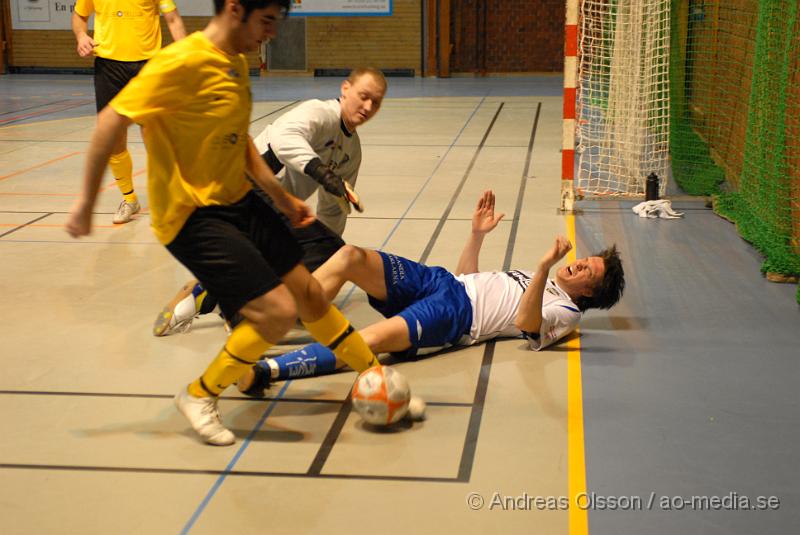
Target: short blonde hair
{"points": [[377, 75]]}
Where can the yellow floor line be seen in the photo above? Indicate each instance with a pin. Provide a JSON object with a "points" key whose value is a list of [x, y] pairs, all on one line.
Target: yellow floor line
{"points": [[576, 460]]}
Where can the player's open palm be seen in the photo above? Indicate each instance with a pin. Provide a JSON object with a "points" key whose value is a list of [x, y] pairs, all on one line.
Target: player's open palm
{"points": [[484, 219]]}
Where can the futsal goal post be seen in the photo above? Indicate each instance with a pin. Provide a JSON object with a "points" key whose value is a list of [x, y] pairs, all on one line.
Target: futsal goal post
{"points": [[702, 92], [616, 96]]}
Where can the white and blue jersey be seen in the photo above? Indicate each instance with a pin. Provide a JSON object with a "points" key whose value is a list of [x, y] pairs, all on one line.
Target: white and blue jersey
{"points": [[442, 310], [495, 297]]}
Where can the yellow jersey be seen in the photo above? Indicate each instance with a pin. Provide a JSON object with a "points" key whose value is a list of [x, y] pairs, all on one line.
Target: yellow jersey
{"points": [[125, 30], [193, 101]]}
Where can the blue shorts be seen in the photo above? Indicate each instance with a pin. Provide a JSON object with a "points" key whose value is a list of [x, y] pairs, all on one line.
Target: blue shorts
{"points": [[431, 300]]}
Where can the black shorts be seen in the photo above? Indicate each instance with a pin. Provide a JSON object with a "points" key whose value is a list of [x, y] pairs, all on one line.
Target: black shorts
{"points": [[238, 252], [317, 241], [110, 76]]}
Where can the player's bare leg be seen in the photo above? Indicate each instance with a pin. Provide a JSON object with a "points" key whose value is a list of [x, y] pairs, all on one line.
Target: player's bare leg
{"points": [[311, 299], [267, 318], [324, 321], [363, 267]]}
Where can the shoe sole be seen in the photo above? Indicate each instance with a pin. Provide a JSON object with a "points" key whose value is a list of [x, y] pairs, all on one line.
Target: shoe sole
{"points": [[161, 326]]}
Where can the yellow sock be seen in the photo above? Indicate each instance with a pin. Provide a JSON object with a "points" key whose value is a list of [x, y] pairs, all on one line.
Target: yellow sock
{"points": [[333, 330], [244, 347], [122, 168]]}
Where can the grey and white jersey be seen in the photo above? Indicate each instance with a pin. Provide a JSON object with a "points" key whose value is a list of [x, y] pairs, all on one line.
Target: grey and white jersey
{"points": [[314, 129]]}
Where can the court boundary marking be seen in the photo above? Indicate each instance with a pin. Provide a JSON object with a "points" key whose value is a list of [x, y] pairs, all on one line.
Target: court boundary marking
{"points": [[222, 398], [315, 470], [477, 405], [23, 225], [578, 518]]}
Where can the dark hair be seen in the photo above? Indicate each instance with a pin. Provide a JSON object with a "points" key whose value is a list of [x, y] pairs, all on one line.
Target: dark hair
{"points": [[251, 5], [377, 75], [609, 290]]}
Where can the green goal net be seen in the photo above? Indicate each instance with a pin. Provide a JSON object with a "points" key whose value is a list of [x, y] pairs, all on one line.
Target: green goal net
{"points": [[735, 117]]}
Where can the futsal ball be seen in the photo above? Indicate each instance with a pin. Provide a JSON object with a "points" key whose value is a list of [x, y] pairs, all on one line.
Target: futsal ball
{"points": [[380, 395]]}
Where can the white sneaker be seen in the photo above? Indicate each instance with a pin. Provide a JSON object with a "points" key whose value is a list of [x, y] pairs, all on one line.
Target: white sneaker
{"points": [[178, 314], [203, 414], [125, 211]]}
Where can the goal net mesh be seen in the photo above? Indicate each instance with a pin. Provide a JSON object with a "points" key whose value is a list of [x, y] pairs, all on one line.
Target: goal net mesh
{"points": [[622, 115]]}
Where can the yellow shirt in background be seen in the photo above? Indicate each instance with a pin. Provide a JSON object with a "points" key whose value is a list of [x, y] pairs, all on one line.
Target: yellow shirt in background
{"points": [[125, 30], [193, 101]]}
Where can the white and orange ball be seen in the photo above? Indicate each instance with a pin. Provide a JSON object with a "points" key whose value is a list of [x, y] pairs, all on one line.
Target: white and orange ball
{"points": [[380, 395]]}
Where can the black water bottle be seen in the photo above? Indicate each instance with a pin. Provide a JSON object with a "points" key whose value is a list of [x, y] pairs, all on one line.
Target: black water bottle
{"points": [[651, 188]]}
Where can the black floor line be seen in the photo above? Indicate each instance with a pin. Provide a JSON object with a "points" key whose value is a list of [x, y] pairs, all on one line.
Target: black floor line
{"points": [[170, 396], [410, 218], [329, 441], [76, 141], [317, 465], [376, 218], [44, 114], [35, 106], [275, 111], [521, 192], [473, 428], [213, 472], [464, 145], [475, 417], [30, 212], [443, 218], [333, 433], [26, 224]]}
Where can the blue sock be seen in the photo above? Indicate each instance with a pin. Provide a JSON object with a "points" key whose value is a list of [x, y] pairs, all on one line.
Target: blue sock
{"points": [[314, 359]]}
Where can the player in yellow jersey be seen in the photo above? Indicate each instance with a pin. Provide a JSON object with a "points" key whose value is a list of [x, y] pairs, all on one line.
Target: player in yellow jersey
{"points": [[193, 100], [126, 34]]}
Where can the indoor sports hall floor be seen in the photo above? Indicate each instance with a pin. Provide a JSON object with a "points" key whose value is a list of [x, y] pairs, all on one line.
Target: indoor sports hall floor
{"points": [[686, 389]]}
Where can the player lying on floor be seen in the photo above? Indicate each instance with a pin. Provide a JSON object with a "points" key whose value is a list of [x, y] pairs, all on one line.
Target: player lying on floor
{"points": [[428, 308]]}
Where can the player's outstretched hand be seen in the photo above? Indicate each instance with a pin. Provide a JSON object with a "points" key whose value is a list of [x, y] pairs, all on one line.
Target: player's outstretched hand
{"points": [[558, 251], [484, 219], [298, 212], [79, 221]]}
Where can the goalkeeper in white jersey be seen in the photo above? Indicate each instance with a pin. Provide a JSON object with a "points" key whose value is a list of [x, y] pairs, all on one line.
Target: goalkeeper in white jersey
{"points": [[428, 308], [314, 148]]}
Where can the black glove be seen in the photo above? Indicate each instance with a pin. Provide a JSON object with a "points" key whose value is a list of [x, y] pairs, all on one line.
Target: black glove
{"points": [[329, 180]]}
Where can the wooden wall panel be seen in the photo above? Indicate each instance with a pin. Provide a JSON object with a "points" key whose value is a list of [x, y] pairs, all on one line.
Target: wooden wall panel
{"points": [[333, 42]]}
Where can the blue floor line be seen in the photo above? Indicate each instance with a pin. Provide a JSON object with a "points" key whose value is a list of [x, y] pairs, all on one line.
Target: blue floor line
{"points": [[416, 197], [221, 478]]}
